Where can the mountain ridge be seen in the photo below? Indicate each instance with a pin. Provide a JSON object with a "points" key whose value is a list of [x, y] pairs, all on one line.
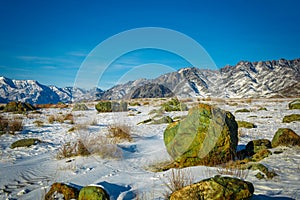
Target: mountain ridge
{"points": [[262, 79]]}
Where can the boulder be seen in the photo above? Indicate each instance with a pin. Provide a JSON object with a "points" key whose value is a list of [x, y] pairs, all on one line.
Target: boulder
{"points": [[285, 137], [291, 118], [207, 136], [294, 104], [25, 143], [93, 193], [245, 124], [62, 190], [255, 146], [111, 106], [217, 187], [18, 107], [79, 107]]}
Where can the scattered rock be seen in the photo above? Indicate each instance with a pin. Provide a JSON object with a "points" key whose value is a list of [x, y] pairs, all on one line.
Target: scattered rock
{"points": [[62, 190], [93, 193], [174, 105], [294, 104], [291, 118], [261, 154], [217, 187], [263, 169], [244, 124], [18, 107], [255, 146], [285, 137], [207, 136], [262, 108], [80, 107], [25, 142], [242, 110], [108, 106]]}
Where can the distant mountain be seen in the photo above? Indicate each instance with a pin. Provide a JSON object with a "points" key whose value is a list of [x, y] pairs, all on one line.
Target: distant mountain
{"points": [[35, 93], [246, 79]]}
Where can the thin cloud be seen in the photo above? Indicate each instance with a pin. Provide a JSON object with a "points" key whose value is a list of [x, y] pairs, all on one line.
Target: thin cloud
{"points": [[45, 60], [77, 54]]}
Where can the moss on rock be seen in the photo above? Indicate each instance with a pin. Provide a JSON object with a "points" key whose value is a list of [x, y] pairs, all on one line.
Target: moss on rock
{"points": [[207, 136], [245, 124], [285, 137], [25, 143], [217, 187], [294, 104], [93, 193], [18, 107], [291, 118], [58, 189]]}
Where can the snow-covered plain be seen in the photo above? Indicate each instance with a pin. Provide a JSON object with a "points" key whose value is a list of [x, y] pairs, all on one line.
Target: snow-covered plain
{"points": [[27, 173]]}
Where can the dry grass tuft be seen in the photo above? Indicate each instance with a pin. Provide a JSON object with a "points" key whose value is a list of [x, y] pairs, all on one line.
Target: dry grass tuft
{"points": [[72, 149], [233, 169], [10, 126], [176, 180], [120, 132]]}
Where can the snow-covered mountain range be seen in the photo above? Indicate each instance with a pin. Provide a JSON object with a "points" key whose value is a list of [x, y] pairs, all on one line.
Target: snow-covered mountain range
{"points": [[246, 79], [33, 92]]}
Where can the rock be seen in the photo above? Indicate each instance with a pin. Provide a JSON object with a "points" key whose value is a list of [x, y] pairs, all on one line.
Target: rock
{"points": [[285, 137], [207, 136], [80, 106], [61, 189], [244, 124], [25, 142], [216, 188], [263, 169], [294, 104], [291, 118], [163, 120], [242, 110], [151, 90], [174, 105], [93, 193], [18, 107], [108, 106], [259, 176], [261, 154], [256, 145]]}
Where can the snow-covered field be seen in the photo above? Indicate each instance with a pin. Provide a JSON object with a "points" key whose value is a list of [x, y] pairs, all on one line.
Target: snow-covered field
{"points": [[27, 173]]}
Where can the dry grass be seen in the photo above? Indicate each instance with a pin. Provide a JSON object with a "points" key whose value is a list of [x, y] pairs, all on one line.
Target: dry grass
{"points": [[120, 132], [71, 149], [39, 123], [234, 170], [10, 126], [176, 180]]}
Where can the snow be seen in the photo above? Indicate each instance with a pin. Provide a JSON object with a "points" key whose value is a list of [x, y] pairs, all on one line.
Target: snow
{"points": [[27, 173]]}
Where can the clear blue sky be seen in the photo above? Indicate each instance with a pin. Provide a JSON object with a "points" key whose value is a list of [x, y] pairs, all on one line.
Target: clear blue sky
{"points": [[48, 40]]}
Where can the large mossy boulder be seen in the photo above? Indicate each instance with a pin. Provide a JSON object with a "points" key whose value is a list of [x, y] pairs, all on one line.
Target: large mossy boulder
{"points": [[291, 118], [255, 146], [62, 191], [111, 106], [18, 107], [207, 136], [93, 193], [294, 104], [217, 187], [285, 137]]}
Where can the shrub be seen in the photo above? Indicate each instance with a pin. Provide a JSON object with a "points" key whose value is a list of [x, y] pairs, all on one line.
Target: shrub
{"points": [[10, 126], [291, 118], [38, 123], [25, 143], [119, 132], [70, 149]]}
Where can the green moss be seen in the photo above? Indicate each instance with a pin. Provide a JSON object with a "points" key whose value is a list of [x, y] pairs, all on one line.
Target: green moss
{"points": [[291, 118], [25, 143], [262, 108], [79, 107], [294, 104], [285, 137], [262, 168], [174, 105], [18, 107], [111, 106], [93, 193], [245, 124]]}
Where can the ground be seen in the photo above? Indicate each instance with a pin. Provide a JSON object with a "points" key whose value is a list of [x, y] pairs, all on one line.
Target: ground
{"points": [[28, 172]]}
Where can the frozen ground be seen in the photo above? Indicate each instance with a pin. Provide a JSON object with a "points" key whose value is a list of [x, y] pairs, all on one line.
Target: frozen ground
{"points": [[27, 173]]}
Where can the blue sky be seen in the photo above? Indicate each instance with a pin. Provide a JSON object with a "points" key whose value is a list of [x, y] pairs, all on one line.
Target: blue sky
{"points": [[48, 40]]}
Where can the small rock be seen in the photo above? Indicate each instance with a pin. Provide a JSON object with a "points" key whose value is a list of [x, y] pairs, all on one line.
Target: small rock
{"points": [[285, 137]]}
